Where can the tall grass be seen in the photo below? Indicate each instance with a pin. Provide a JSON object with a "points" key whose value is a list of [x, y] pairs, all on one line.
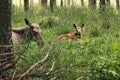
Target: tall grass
{"points": [[95, 57]]}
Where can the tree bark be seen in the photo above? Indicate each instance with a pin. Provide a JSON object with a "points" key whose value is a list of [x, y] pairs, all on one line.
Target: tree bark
{"points": [[6, 60]]}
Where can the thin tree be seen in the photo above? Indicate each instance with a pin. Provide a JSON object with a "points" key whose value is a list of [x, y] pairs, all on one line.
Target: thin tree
{"points": [[26, 5], [117, 4], [92, 3], [82, 2], [51, 5], [102, 4], [108, 2], [105, 22], [6, 55], [44, 2], [61, 3]]}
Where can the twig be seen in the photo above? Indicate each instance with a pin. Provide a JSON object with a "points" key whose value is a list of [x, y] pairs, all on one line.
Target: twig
{"points": [[43, 74], [53, 65], [54, 78], [8, 58], [2, 54], [5, 46], [80, 78], [15, 71]]}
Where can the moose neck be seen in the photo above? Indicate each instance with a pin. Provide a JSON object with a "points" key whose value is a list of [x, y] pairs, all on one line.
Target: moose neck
{"points": [[78, 35]]}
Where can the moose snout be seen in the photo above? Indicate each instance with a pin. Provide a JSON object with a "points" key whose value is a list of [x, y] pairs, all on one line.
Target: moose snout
{"points": [[38, 36]]}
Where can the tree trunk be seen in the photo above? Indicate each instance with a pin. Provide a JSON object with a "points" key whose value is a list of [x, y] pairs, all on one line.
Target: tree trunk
{"points": [[61, 3], [6, 56], [102, 4], [105, 22], [44, 2], [92, 3], [82, 2], [26, 5], [108, 2], [51, 5], [117, 4]]}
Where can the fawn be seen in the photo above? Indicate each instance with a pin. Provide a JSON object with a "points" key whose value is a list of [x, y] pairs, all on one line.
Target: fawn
{"points": [[73, 35]]}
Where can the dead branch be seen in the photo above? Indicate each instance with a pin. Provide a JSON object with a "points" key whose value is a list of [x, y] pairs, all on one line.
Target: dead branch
{"points": [[83, 76], [5, 59], [15, 70], [3, 54], [5, 46], [53, 65], [42, 74], [39, 74], [79, 78], [4, 63], [33, 66], [41, 61], [6, 66], [54, 78]]}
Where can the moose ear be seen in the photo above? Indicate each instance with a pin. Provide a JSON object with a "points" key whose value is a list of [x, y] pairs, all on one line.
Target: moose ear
{"points": [[27, 22], [82, 25], [40, 23], [74, 26]]}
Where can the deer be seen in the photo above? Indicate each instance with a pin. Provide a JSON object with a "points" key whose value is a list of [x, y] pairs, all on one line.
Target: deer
{"points": [[73, 35], [30, 32]]}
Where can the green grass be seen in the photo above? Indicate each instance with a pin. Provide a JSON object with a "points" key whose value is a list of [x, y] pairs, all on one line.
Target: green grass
{"points": [[95, 57]]}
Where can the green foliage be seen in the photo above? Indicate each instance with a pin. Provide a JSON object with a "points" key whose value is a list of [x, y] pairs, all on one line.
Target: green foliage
{"points": [[94, 32], [95, 57], [51, 21]]}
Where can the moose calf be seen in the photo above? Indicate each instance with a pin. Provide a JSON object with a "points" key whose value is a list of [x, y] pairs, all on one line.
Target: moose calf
{"points": [[31, 32], [73, 35]]}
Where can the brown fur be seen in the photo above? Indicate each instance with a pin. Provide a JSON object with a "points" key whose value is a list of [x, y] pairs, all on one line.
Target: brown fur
{"points": [[73, 35], [31, 32]]}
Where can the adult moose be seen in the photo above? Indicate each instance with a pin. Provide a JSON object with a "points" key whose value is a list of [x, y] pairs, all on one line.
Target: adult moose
{"points": [[73, 35], [31, 32]]}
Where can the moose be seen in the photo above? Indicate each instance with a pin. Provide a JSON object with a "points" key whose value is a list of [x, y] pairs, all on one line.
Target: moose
{"points": [[73, 35], [31, 32]]}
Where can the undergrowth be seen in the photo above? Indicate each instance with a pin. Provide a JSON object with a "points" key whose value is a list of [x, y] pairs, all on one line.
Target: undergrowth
{"points": [[95, 57]]}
